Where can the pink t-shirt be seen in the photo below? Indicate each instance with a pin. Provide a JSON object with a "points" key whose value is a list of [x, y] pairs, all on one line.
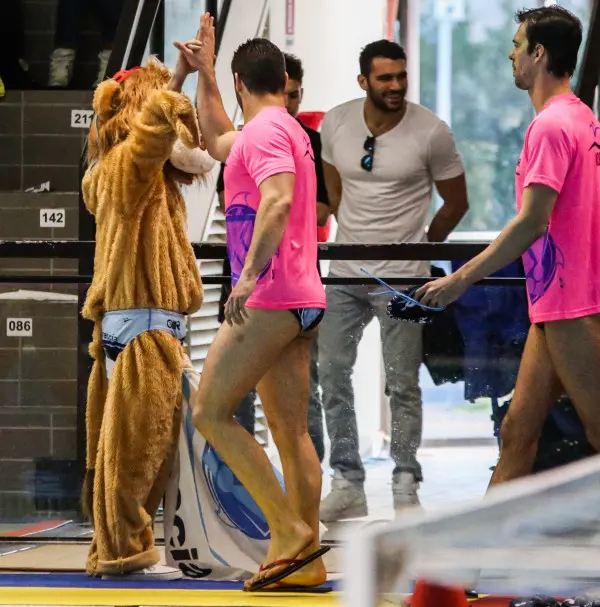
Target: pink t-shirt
{"points": [[562, 151], [272, 143]]}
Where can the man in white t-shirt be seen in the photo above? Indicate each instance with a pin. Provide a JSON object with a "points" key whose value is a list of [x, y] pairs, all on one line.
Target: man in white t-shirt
{"points": [[382, 157]]}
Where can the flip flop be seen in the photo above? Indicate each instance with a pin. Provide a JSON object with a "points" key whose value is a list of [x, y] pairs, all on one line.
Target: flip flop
{"points": [[292, 565], [294, 589]]}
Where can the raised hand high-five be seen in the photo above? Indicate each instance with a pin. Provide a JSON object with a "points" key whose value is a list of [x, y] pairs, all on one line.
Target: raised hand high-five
{"points": [[200, 53]]}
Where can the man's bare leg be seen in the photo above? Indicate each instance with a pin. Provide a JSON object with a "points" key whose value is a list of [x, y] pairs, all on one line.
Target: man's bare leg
{"points": [[284, 393], [237, 360], [537, 390], [575, 350]]}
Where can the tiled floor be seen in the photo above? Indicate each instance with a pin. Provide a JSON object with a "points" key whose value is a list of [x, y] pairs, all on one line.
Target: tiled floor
{"points": [[451, 474]]}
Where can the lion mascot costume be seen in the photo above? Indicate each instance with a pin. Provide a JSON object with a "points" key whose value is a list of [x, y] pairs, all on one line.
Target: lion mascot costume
{"points": [[143, 144]]}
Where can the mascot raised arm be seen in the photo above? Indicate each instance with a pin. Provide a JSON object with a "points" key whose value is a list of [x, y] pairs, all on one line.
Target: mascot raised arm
{"points": [[143, 144]]}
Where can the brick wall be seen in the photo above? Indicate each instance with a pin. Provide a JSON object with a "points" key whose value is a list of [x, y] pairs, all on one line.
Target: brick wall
{"points": [[20, 220], [38, 395], [38, 374], [37, 142]]}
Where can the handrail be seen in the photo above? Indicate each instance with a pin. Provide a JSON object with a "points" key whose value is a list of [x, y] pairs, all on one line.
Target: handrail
{"points": [[221, 280], [221, 22], [590, 64], [425, 251]]}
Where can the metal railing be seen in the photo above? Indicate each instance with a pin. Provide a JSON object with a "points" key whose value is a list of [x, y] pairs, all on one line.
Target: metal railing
{"points": [[56, 249]]}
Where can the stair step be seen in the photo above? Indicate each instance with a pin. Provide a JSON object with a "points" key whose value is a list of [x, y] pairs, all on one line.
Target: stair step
{"points": [[84, 75], [42, 200], [54, 97], [39, 140], [40, 44], [22, 215]]}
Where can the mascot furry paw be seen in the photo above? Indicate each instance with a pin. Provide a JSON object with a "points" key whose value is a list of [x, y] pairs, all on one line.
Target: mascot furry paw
{"points": [[143, 143]]}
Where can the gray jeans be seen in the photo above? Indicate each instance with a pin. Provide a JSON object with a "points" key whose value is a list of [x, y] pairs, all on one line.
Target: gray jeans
{"points": [[315, 408], [349, 309]]}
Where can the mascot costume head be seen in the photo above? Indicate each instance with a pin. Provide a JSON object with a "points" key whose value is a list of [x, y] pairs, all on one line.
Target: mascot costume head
{"points": [[118, 101]]}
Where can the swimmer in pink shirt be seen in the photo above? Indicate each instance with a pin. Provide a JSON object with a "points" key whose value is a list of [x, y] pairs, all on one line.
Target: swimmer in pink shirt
{"points": [[556, 231], [276, 303]]}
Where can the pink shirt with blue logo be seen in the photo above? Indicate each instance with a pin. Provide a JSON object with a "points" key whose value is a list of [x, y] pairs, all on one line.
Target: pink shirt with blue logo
{"points": [[562, 268], [272, 143]]}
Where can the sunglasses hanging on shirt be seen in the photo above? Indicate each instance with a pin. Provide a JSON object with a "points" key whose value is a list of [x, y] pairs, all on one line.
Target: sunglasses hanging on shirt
{"points": [[366, 162]]}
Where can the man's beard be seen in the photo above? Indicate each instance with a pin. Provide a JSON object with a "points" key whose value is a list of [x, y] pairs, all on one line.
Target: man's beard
{"points": [[379, 102]]}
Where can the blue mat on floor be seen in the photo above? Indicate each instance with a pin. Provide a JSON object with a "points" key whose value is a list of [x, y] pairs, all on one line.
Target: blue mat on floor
{"points": [[81, 580]]}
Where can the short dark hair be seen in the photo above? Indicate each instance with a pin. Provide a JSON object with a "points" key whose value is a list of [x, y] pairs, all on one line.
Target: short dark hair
{"points": [[293, 67], [260, 65], [385, 49], [559, 31]]}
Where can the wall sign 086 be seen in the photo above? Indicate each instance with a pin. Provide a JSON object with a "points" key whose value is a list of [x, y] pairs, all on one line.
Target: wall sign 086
{"points": [[19, 327]]}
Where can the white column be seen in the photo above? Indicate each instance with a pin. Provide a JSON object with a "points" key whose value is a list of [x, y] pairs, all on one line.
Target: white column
{"points": [[328, 38], [413, 51]]}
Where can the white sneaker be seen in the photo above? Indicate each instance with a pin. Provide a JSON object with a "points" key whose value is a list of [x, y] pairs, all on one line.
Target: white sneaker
{"points": [[346, 500], [154, 573], [405, 490], [61, 67], [103, 57]]}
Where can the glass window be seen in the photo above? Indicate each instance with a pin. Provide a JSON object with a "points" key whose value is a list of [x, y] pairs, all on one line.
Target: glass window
{"points": [[468, 62], [181, 23]]}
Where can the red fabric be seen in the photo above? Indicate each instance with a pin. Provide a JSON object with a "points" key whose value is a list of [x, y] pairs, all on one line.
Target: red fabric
{"points": [[324, 231], [124, 74], [431, 595], [312, 119]]}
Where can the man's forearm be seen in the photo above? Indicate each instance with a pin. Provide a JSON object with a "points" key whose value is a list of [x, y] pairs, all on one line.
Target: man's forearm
{"points": [[323, 213], [334, 205], [443, 223], [333, 185], [176, 83], [270, 225], [512, 242], [212, 116]]}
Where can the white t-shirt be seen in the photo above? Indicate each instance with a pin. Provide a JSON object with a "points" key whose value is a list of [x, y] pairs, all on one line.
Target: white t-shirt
{"points": [[390, 204]]}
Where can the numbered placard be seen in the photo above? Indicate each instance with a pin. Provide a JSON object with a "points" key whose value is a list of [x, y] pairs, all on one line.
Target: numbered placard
{"points": [[19, 327], [81, 119], [52, 218]]}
